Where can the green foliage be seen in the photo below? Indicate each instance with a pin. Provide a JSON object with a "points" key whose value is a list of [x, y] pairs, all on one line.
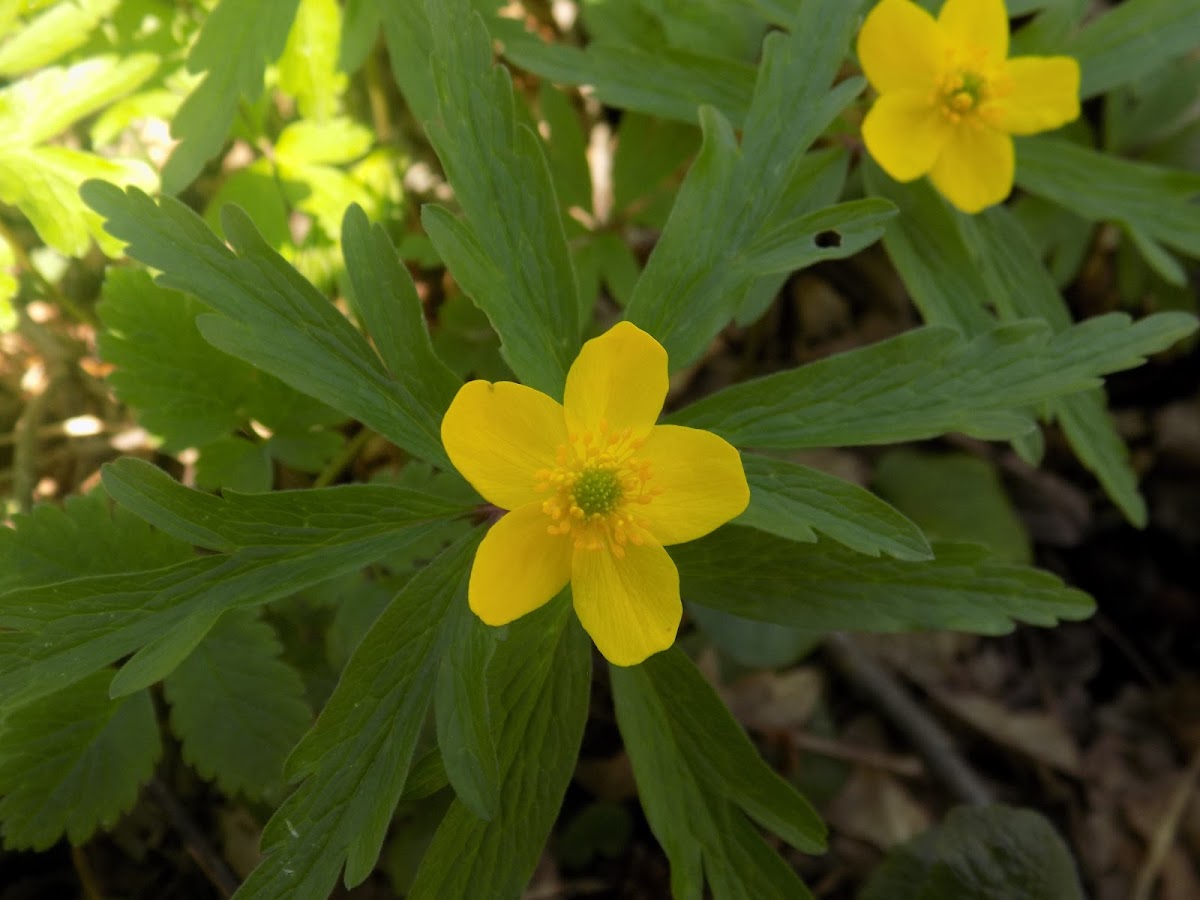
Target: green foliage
{"points": [[272, 318], [697, 773], [42, 179], [231, 52], [236, 707], [954, 497], [796, 501], [930, 381], [74, 762], [283, 337], [991, 853], [184, 390], [356, 759], [698, 274], [514, 266], [818, 587]]}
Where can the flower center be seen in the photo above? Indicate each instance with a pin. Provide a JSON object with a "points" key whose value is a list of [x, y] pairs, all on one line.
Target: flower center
{"points": [[597, 491], [968, 81], [596, 484]]}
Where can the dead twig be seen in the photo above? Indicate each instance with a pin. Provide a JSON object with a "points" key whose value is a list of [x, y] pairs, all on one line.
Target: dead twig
{"points": [[1166, 831], [194, 841], [929, 739]]}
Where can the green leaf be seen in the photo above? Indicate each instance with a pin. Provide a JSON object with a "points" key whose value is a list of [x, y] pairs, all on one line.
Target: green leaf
{"points": [[823, 587], [232, 50], [463, 715], [925, 245], [955, 497], [538, 691], [649, 151], [512, 218], [566, 150], [360, 30], [795, 502], [754, 644], [989, 853], [1158, 202], [385, 298], [276, 545], [951, 263], [697, 772], [698, 274], [1005, 254], [237, 707], [356, 759], [930, 381], [234, 463], [270, 316], [1132, 40], [308, 67], [43, 106], [73, 763], [184, 390], [668, 82], [51, 35], [104, 539]]}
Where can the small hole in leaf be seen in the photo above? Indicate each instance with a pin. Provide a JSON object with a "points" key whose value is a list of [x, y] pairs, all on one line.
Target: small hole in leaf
{"points": [[829, 239]]}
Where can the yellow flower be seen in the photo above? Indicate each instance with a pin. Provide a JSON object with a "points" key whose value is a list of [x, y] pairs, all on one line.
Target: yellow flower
{"points": [[595, 490], [949, 98]]}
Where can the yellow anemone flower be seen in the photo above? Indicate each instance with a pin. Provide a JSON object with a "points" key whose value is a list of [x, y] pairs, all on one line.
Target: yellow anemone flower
{"points": [[595, 490], [949, 98]]}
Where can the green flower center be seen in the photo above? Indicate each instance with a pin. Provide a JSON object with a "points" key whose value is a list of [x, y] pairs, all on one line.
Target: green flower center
{"points": [[969, 92], [597, 491]]}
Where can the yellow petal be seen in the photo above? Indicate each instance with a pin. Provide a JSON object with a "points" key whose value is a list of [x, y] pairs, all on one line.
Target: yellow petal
{"points": [[702, 481], [1044, 94], [619, 378], [976, 25], [904, 133], [630, 606], [518, 567], [975, 169], [900, 47], [500, 435]]}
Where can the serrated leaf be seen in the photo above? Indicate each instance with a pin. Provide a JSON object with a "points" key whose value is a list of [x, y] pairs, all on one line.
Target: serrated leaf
{"points": [[270, 316], [952, 263], [102, 541], [538, 689], [795, 502], [1157, 201], [276, 544], [308, 67], [384, 296], [697, 773], [824, 587], [754, 644], [501, 179], [1004, 253], [237, 707], [698, 274], [989, 853], [356, 759], [232, 50], [184, 390], [74, 763], [930, 381], [43, 182]]}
